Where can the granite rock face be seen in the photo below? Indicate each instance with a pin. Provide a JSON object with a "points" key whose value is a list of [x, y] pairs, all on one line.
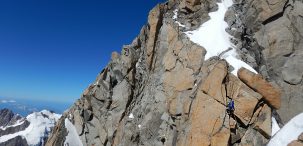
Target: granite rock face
{"points": [[268, 36], [174, 102], [161, 91], [279, 37]]}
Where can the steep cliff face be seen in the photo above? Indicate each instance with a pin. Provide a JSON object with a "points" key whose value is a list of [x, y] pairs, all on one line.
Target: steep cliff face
{"points": [[170, 88]]}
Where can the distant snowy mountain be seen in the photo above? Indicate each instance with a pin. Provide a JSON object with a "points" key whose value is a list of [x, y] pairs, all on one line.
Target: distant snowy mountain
{"points": [[32, 130], [25, 106]]}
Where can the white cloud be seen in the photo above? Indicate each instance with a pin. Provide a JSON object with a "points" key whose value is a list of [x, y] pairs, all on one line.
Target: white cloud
{"points": [[7, 101]]}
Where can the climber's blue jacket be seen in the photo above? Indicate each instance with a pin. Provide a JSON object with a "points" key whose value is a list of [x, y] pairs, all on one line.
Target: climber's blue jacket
{"points": [[231, 105]]}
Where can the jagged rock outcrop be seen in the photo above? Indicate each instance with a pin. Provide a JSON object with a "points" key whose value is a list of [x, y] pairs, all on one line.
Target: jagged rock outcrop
{"points": [[281, 38], [8, 118], [193, 12], [269, 36], [11, 122], [161, 91]]}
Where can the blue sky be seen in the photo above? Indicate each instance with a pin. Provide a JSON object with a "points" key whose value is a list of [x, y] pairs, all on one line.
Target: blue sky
{"points": [[51, 50]]}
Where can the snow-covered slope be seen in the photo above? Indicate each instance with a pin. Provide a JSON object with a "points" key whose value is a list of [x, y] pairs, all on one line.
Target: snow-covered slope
{"points": [[212, 36], [289, 132], [274, 126], [72, 137], [38, 129], [17, 123]]}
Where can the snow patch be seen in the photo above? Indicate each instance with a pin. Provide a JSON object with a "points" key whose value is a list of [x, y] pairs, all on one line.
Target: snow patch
{"points": [[131, 116], [19, 122], [289, 132], [40, 125], [72, 138], [212, 36], [237, 63], [274, 126], [175, 14], [175, 18]]}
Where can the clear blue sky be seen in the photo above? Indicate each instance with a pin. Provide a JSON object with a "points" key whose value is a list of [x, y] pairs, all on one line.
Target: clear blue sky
{"points": [[51, 50]]}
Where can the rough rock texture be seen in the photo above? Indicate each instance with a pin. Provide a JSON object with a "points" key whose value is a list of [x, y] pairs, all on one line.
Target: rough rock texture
{"points": [[217, 132], [161, 91], [271, 94], [8, 121], [268, 35], [272, 40], [298, 142], [60, 132], [192, 13], [17, 141], [295, 143], [165, 113], [245, 99], [8, 117]]}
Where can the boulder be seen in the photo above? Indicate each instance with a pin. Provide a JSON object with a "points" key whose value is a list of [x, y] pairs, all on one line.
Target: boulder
{"points": [[271, 94]]}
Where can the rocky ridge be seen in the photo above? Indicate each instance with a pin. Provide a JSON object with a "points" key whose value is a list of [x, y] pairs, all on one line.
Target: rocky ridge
{"points": [[32, 130], [161, 91]]}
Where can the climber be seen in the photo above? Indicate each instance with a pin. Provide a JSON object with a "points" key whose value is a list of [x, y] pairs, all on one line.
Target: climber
{"points": [[231, 106]]}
